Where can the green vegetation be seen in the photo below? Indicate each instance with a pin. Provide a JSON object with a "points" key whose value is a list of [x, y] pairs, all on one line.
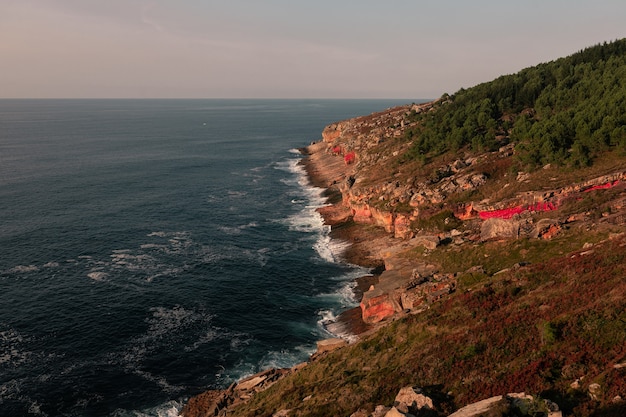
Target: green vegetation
{"points": [[564, 112], [444, 221]]}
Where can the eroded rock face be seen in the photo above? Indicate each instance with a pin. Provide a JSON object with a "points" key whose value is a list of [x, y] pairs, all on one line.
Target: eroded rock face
{"points": [[216, 402], [402, 227], [377, 308], [404, 289]]}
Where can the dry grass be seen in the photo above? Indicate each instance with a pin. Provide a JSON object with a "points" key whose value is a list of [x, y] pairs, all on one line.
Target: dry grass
{"points": [[535, 329]]}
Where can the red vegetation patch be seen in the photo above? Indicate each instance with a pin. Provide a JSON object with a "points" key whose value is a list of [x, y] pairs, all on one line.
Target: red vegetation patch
{"points": [[349, 158], [605, 186], [510, 212]]}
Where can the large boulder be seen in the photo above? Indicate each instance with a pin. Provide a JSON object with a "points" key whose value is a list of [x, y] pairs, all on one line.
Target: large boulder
{"points": [[328, 345], [377, 308], [499, 229], [412, 400], [518, 404]]}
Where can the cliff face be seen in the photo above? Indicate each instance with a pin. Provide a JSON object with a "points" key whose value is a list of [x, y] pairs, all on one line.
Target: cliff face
{"points": [[454, 201]]}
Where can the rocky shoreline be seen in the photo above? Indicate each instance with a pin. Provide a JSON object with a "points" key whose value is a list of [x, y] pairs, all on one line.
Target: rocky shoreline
{"points": [[324, 170], [396, 222]]}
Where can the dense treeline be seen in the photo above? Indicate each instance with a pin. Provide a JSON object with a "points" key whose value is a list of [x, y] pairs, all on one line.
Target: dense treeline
{"points": [[564, 112]]}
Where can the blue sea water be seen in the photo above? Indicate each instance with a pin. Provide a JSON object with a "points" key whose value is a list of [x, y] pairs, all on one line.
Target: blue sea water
{"points": [[152, 249]]}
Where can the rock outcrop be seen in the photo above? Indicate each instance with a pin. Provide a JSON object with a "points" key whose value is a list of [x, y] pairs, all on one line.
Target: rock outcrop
{"points": [[217, 402], [518, 404], [412, 401], [422, 211], [404, 290]]}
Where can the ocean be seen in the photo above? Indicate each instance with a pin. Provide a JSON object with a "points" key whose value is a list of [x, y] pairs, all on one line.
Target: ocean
{"points": [[153, 249]]}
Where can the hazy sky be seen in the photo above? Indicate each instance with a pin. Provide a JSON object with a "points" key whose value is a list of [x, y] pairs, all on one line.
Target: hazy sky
{"points": [[286, 48]]}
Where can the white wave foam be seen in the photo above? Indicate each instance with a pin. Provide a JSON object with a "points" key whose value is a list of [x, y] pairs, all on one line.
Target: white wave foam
{"points": [[97, 275], [308, 219], [329, 325], [326, 317], [132, 262], [11, 352], [155, 246], [21, 269], [158, 380], [286, 358], [35, 409], [344, 296], [166, 320], [236, 194], [237, 230], [168, 409], [13, 390], [330, 250], [209, 336], [167, 327]]}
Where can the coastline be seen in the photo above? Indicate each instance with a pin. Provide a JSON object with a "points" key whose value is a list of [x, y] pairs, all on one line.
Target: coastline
{"points": [[326, 171]]}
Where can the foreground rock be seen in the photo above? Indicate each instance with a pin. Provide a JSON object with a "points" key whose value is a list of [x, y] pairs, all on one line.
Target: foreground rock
{"points": [[412, 402], [217, 402], [511, 404]]}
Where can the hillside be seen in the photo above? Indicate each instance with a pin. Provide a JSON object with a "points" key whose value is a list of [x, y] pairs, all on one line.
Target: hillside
{"points": [[499, 216]]}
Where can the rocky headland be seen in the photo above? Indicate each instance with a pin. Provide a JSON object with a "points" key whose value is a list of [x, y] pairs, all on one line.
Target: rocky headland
{"points": [[455, 228]]}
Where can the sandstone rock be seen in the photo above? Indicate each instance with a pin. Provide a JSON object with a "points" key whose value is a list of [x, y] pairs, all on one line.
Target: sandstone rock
{"points": [[411, 300], [361, 214], [382, 218], [494, 406], [495, 228], [428, 242], [380, 411], [518, 404], [394, 412], [377, 309], [281, 413], [411, 400], [332, 132], [206, 404], [216, 402], [248, 384], [594, 390], [402, 227], [328, 345], [546, 229]]}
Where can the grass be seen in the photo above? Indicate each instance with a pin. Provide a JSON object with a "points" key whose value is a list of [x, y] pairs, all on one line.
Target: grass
{"points": [[493, 257], [535, 329]]}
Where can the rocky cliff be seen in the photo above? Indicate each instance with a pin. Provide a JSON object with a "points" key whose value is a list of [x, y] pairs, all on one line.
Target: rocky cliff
{"points": [[455, 201], [477, 255]]}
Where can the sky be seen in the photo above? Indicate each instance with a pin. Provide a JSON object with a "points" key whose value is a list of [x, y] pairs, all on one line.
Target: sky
{"points": [[413, 49]]}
